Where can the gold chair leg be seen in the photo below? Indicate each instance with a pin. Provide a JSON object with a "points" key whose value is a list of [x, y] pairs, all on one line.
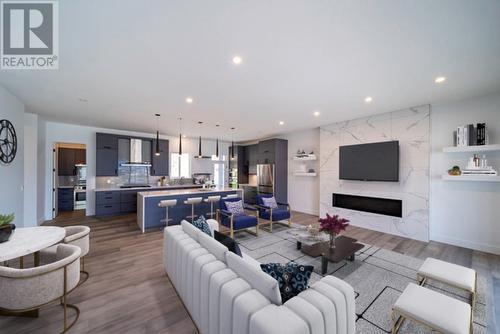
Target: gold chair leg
{"points": [[396, 322], [21, 262], [87, 275]]}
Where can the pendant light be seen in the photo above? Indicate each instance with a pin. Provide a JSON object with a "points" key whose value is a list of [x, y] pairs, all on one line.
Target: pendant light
{"points": [[199, 144], [217, 148], [157, 150], [232, 143], [180, 136], [199, 148]]}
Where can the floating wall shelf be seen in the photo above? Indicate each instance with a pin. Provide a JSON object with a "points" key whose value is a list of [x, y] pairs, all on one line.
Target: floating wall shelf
{"points": [[304, 174], [471, 149], [471, 178], [306, 158]]}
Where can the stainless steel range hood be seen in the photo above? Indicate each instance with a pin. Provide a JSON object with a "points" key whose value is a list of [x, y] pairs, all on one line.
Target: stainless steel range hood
{"points": [[136, 155]]}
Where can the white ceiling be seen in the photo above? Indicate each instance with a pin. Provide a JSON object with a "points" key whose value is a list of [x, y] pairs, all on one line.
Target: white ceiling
{"points": [[132, 59]]}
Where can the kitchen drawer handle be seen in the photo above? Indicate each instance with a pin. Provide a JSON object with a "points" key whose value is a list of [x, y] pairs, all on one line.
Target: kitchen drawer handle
{"points": [[107, 147], [108, 197], [108, 206]]}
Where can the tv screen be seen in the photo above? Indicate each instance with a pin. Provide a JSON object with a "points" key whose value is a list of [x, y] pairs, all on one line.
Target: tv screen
{"points": [[370, 162]]}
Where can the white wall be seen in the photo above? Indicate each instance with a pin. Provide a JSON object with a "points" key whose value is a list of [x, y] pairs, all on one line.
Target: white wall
{"points": [[464, 213], [303, 191], [68, 133], [11, 175], [30, 169]]}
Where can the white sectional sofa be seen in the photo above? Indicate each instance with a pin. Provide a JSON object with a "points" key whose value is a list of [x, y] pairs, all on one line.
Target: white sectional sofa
{"points": [[225, 293]]}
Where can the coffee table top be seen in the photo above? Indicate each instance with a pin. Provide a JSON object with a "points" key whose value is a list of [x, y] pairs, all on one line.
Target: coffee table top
{"points": [[344, 248], [302, 235]]}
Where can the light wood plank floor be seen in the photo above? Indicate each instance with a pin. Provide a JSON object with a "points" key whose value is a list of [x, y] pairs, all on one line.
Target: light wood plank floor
{"points": [[128, 291]]}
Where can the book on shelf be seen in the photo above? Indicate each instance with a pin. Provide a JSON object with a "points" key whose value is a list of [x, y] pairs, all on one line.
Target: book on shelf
{"points": [[470, 135]]}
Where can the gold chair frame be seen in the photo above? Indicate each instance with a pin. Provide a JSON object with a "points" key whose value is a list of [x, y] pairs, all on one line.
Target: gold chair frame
{"points": [[270, 220], [62, 299]]}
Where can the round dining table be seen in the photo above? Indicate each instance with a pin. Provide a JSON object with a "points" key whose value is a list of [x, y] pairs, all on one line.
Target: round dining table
{"points": [[30, 240]]}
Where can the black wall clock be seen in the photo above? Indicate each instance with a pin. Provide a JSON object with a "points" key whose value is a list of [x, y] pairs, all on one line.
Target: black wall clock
{"points": [[8, 142]]}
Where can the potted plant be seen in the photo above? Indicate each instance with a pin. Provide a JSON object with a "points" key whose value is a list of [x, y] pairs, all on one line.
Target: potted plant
{"points": [[333, 225], [6, 227]]}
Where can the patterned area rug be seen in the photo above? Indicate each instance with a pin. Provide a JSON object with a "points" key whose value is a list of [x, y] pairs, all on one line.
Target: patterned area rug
{"points": [[378, 276]]}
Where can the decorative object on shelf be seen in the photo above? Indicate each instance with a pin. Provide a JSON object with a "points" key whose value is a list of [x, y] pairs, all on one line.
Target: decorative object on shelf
{"points": [[333, 225], [479, 166], [470, 135], [157, 150], [313, 230], [455, 170], [311, 170], [6, 227], [8, 142]]}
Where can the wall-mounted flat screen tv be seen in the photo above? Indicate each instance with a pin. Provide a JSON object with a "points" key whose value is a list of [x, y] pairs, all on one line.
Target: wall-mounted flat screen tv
{"points": [[370, 162]]}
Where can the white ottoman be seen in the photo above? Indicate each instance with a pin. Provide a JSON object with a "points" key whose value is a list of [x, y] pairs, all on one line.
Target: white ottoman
{"points": [[452, 274], [439, 312]]}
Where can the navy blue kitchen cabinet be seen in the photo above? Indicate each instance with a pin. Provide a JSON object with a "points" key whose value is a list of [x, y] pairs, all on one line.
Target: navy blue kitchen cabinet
{"points": [[65, 200], [107, 203], [106, 155], [160, 164]]}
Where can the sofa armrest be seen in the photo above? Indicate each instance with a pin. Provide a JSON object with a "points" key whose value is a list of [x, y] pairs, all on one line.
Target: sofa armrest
{"points": [[213, 224], [274, 319]]}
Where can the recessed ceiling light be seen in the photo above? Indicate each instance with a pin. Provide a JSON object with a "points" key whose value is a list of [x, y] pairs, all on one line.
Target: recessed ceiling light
{"points": [[189, 100], [82, 99], [368, 99], [440, 79], [282, 123], [184, 136], [237, 60], [316, 113]]}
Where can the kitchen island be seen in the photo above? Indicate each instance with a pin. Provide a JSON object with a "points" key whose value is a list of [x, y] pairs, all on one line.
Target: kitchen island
{"points": [[149, 214]]}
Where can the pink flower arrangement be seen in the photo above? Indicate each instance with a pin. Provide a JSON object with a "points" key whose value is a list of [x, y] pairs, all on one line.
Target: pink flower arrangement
{"points": [[333, 225]]}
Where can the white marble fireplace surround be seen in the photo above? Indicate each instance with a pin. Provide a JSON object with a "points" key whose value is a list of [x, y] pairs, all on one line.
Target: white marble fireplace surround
{"points": [[412, 128]]}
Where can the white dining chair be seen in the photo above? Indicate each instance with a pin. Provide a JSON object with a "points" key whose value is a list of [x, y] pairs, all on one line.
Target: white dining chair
{"points": [[29, 289], [75, 235]]}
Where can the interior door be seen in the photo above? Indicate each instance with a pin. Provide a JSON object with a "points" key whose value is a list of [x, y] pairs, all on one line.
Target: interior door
{"points": [[55, 209]]}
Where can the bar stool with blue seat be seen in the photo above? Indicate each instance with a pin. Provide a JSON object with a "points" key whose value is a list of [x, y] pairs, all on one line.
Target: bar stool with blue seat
{"points": [[238, 221], [193, 201], [212, 200], [281, 213], [167, 204]]}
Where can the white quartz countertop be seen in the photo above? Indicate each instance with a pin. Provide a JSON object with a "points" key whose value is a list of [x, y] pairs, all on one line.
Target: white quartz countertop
{"points": [[174, 192], [178, 186]]}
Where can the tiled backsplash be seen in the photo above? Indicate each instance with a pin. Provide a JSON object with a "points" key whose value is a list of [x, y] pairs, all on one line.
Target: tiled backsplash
{"points": [[138, 175]]}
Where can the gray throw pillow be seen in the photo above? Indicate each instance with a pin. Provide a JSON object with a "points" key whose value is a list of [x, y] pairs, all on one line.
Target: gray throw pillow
{"points": [[270, 202]]}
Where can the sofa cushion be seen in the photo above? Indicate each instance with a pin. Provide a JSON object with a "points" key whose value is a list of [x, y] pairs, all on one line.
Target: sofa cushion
{"points": [[213, 246], [292, 278], [278, 214], [227, 241], [202, 225], [258, 279], [190, 229], [241, 222]]}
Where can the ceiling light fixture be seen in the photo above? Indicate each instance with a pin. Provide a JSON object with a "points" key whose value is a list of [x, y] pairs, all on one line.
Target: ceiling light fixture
{"points": [[157, 150], [316, 113], [440, 79], [282, 123], [189, 100], [237, 60], [368, 99]]}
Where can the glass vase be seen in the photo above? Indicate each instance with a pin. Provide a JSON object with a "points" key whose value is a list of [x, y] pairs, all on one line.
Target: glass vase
{"points": [[333, 236]]}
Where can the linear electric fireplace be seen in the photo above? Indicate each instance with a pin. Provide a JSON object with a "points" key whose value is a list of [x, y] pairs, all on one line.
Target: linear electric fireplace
{"points": [[382, 206]]}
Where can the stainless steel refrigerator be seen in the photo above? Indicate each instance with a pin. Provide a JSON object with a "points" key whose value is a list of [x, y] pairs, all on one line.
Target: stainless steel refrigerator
{"points": [[265, 179]]}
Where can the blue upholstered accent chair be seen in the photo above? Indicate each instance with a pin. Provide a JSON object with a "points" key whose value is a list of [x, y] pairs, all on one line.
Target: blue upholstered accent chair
{"points": [[238, 222], [277, 215]]}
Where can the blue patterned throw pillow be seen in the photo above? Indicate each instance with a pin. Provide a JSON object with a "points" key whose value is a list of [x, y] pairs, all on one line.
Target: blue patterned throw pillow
{"points": [[292, 278], [202, 224], [235, 208]]}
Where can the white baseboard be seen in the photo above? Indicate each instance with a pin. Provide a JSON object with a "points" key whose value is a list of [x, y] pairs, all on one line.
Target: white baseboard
{"points": [[466, 244]]}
